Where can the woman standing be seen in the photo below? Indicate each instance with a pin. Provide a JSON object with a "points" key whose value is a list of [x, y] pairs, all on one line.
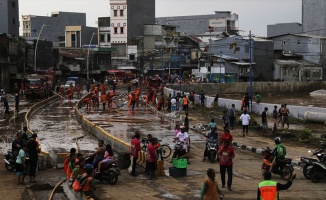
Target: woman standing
{"points": [[226, 154]]}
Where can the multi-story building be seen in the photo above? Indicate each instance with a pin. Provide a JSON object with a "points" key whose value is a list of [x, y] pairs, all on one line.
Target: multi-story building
{"points": [[127, 19], [104, 37], [79, 36], [9, 17], [222, 21], [55, 25], [313, 17]]}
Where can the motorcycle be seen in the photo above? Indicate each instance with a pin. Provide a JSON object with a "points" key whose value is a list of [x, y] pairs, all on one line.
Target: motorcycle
{"points": [[212, 149], [318, 170], [307, 163], [283, 167], [179, 150], [10, 161], [109, 171]]}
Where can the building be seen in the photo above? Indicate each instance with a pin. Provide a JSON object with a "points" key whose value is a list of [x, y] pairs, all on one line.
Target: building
{"points": [[104, 34], [236, 59], [310, 47], [314, 17], [79, 36], [9, 17], [54, 26], [283, 28], [222, 21], [127, 19]]}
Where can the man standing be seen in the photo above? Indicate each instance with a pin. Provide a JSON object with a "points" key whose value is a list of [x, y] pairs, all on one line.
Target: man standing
{"points": [[285, 116], [257, 97], [33, 150], [231, 114], [202, 98], [264, 119], [268, 189], [246, 101], [245, 118], [226, 154], [134, 149], [152, 158]]}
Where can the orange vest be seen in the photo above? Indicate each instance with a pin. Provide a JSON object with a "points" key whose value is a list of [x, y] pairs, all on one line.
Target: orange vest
{"points": [[87, 185], [268, 190], [185, 101], [211, 190]]}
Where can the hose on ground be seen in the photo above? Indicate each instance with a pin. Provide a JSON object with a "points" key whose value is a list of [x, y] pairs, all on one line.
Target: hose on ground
{"points": [[55, 188]]}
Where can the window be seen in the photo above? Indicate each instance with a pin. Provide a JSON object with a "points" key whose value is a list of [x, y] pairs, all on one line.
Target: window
{"points": [[13, 20], [102, 39], [109, 38], [124, 24], [115, 13], [118, 24], [121, 12], [115, 30], [284, 42], [26, 25], [13, 4], [121, 30], [298, 42]]}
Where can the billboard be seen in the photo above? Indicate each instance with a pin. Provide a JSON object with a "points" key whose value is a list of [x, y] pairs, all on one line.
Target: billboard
{"points": [[217, 22]]}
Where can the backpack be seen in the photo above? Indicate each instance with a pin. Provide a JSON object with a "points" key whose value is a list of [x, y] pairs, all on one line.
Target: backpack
{"points": [[79, 183]]}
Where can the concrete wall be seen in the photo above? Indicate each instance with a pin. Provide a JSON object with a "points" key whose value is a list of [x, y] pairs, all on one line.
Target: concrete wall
{"points": [[314, 17], [139, 14], [262, 87], [295, 111], [283, 28]]}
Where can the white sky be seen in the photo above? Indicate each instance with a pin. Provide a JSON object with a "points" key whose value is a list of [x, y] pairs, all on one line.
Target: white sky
{"points": [[254, 15]]}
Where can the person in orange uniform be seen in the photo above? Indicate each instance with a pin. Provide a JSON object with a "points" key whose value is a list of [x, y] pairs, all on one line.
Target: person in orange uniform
{"points": [[78, 91], [210, 189], [185, 103], [89, 186], [68, 159], [88, 102], [129, 99], [77, 170], [104, 98], [62, 91], [70, 93], [154, 97], [109, 99], [268, 189]]}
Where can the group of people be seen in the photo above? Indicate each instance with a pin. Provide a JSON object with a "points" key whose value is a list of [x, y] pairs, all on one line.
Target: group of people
{"points": [[79, 173], [25, 148], [152, 155]]}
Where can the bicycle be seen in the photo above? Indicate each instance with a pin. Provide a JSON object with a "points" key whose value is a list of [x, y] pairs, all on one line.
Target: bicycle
{"points": [[164, 150]]}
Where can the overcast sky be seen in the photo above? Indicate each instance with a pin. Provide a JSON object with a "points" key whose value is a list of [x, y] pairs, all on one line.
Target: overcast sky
{"points": [[254, 15]]}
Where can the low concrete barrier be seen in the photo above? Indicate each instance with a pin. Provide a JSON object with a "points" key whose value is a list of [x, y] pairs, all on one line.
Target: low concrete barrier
{"points": [[295, 111]]}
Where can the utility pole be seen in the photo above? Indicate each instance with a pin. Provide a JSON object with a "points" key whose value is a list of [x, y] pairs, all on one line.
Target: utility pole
{"points": [[210, 29], [250, 52]]}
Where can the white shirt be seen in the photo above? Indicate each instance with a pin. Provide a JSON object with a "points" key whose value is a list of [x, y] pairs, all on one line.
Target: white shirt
{"points": [[245, 119], [173, 101], [182, 136]]}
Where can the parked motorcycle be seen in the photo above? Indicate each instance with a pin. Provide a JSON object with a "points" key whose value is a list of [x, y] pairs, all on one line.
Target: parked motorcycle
{"points": [[307, 163], [318, 170], [283, 168], [109, 171], [211, 149], [10, 161]]}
